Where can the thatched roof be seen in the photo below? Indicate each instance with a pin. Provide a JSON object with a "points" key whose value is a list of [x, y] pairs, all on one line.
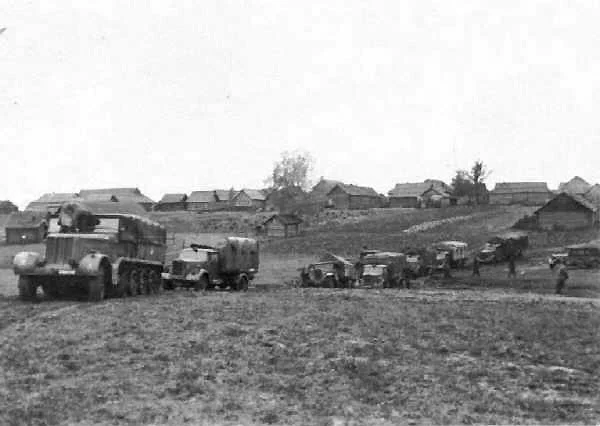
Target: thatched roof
{"points": [[202, 197], [520, 187], [356, 190], [173, 198], [111, 207], [133, 195], [224, 194], [27, 219], [254, 194], [593, 195], [577, 185], [325, 185], [286, 219], [405, 190], [577, 198], [8, 205]]}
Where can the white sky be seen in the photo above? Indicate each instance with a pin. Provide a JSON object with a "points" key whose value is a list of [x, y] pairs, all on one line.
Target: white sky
{"points": [[174, 96]]}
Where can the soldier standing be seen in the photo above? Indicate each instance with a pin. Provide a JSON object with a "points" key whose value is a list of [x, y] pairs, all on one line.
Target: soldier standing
{"points": [[476, 267], [447, 266], [562, 277], [512, 268]]}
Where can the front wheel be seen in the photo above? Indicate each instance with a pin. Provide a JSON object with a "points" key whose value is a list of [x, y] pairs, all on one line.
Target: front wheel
{"points": [[27, 288]]}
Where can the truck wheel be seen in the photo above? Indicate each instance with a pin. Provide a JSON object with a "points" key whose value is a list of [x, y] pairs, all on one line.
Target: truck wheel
{"points": [[27, 288], [96, 286], [201, 284], [121, 289], [242, 284], [50, 290]]}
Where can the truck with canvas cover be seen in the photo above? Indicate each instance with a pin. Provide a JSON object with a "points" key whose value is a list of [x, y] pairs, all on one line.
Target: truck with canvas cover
{"points": [[233, 262], [504, 246], [106, 254], [332, 272], [456, 250], [385, 270], [578, 256]]}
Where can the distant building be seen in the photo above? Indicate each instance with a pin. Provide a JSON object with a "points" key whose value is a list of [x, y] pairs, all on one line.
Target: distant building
{"points": [[172, 203], [201, 201], [525, 193], [282, 225], [51, 202], [567, 211], [224, 197], [577, 186], [249, 198], [409, 195], [352, 197], [437, 198], [7, 207], [126, 195], [593, 195], [26, 227]]}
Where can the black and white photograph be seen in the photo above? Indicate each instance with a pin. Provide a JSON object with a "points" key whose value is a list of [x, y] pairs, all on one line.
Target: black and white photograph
{"points": [[275, 212]]}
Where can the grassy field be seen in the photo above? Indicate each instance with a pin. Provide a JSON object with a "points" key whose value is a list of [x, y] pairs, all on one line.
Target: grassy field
{"points": [[301, 357], [458, 350]]}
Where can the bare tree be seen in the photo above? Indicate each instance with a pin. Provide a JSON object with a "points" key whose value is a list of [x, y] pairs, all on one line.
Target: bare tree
{"points": [[479, 173]]}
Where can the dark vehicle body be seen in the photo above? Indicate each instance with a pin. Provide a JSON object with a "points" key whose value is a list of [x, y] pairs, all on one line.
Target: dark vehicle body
{"points": [[579, 256], [503, 247], [456, 251], [233, 263], [113, 254], [385, 270], [334, 273]]}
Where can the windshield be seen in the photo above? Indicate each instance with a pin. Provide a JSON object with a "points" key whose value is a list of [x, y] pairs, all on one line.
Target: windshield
{"points": [[373, 270], [105, 226], [193, 255]]}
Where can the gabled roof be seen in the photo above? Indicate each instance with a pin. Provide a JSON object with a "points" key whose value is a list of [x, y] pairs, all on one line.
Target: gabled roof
{"points": [[325, 185], [27, 219], [7, 204], [254, 194], [122, 194], [225, 194], [105, 197], [577, 185], [518, 187], [593, 194], [56, 197], [577, 198], [356, 190], [110, 207], [416, 189], [286, 219], [173, 198], [202, 197], [439, 185]]}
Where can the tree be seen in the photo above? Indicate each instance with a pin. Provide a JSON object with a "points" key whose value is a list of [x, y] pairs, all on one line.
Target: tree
{"points": [[471, 183], [292, 171]]}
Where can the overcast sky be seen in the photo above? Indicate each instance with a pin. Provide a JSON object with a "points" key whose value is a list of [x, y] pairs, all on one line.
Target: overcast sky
{"points": [[174, 96]]}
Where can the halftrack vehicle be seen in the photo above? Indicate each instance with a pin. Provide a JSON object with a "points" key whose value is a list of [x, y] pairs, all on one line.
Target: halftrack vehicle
{"points": [[101, 255], [233, 262]]}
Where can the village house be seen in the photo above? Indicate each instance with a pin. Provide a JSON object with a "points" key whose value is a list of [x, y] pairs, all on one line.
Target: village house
{"points": [[26, 227], [249, 199], [409, 195], [437, 198], [282, 225], [128, 195], [51, 202], [352, 197], [7, 207], [577, 186], [224, 197], [567, 211], [525, 193], [593, 195], [172, 202], [201, 201]]}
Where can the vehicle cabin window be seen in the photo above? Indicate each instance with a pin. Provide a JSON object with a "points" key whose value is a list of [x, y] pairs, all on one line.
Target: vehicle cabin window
{"points": [[193, 255]]}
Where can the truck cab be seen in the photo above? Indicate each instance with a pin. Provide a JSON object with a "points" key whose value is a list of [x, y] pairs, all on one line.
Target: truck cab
{"points": [[194, 266]]}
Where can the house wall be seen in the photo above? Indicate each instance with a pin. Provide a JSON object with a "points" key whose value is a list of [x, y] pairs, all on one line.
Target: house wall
{"points": [[275, 229], [525, 198], [340, 199], [24, 235], [171, 207], [363, 202], [406, 202], [242, 200], [198, 207], [565, 219]]}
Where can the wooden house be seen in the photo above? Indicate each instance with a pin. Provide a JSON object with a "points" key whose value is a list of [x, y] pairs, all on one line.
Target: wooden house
{"points": [[126, 195], [409, 195], [567, 211], [593, 195], [51, 202], [7, 207], [201, 201], [437, 198], [224, 197], [172, 203], [525, 193], [249, 199], [353, 197], [26, 227], [282, 225], [577, 186]]}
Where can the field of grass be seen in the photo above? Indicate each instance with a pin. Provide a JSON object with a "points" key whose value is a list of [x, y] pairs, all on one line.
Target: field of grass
{"points": [[302, 357]]}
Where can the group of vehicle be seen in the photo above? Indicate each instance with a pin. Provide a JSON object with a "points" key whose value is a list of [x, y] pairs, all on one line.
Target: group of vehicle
{"points": [[102, 255]]}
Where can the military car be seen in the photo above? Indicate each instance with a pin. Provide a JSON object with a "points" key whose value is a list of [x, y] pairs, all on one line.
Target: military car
{"points": [[578, 256]]}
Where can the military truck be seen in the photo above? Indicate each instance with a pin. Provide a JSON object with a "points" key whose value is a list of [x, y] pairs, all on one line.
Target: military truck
{"points": [[97, 254], [504, 246], [385, 270], [578, 256], [233, 262], [332, 272], [456, 250]]}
